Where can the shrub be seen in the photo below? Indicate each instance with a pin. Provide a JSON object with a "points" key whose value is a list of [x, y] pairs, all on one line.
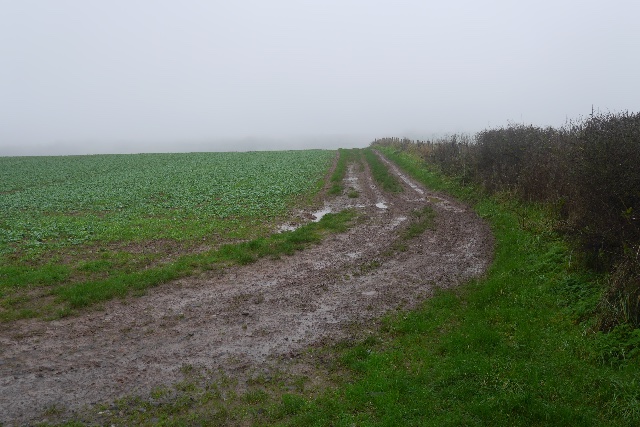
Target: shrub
{"points": [[604, 194]]}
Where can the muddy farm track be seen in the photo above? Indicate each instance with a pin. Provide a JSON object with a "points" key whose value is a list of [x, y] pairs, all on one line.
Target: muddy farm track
{"points": [[245, 318]]}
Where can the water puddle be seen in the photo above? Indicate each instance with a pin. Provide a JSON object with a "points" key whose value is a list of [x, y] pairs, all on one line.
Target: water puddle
{"points": [[319, 214], [397, 221], [381, 205], [369, 293]]}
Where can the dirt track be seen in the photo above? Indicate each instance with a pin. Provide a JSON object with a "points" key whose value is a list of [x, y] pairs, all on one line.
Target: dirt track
{"points": [[247, 316]]}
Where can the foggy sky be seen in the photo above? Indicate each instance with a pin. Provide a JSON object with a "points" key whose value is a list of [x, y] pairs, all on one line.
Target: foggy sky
{"points": [[80, 76]]}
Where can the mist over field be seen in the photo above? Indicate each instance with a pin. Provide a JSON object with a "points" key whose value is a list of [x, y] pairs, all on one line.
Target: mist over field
{"points": [[162, 76], [178, 145]]}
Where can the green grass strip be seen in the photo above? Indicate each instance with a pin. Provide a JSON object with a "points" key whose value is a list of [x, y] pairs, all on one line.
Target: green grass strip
{"points": [[381, 173], [346, 156], [84, 294]]}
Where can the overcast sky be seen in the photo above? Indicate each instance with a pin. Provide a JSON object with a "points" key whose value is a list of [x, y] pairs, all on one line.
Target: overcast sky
{"points": [[82, 76]]}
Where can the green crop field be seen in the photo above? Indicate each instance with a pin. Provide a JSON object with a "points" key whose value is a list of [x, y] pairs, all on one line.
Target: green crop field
{"points": [[87, 219]]}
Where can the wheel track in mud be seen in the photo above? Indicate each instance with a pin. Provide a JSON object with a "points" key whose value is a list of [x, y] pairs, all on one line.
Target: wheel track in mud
{"points": [[245, 317]]}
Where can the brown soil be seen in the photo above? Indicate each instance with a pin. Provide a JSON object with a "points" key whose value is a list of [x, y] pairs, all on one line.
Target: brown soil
{"points": [[246, 317]]}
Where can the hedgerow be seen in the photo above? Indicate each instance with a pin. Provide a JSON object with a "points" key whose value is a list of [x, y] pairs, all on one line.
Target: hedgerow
{"points": [[587, 171]]}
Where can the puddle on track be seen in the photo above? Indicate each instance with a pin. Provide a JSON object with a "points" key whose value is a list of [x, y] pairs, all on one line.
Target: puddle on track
{"points": [[322, 212], [317, 216], [396, 222]]}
